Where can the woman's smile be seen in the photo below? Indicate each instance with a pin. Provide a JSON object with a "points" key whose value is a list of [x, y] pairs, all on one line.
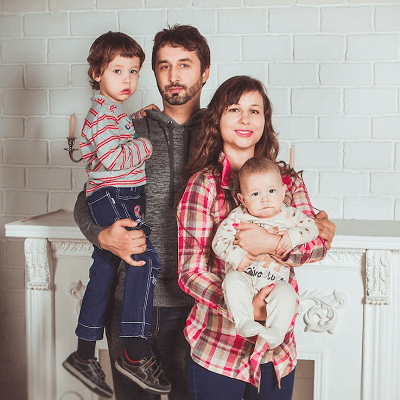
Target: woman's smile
{"points": [[244, 133]]}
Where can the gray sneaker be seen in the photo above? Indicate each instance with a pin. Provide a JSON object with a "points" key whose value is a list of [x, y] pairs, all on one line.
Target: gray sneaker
{"points": [[89, 373], [146, 373]]}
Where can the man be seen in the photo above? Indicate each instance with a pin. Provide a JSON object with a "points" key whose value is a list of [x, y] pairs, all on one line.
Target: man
{"points": [[181, 64]]}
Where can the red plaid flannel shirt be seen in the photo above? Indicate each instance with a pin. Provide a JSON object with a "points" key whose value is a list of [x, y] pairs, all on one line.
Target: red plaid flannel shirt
{"points": [[214, 343]]}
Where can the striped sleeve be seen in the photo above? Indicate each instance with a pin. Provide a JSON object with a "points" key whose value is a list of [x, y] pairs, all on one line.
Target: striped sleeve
{"points": [[115, 147]]}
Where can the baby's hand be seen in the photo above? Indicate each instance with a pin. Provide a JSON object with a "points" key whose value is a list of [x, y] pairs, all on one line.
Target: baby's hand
{"points": [[284, 245], [246, 262]]}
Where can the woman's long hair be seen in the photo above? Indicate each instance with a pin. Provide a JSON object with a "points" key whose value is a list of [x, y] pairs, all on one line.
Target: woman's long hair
{"points": [[209, 142]]}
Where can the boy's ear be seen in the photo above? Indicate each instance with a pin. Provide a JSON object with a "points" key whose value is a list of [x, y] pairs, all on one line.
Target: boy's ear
{"points": [[96, 78], [240, 197]]}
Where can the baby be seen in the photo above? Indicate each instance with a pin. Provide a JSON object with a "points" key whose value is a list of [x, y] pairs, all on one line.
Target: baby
{"points": [[262, 194]]}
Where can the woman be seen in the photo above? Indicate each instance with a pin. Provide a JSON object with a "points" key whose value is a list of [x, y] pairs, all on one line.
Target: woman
{"points": [[223, 365]]}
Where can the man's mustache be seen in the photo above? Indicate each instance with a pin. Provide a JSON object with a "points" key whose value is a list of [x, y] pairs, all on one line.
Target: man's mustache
{"points": [[175, 85]]}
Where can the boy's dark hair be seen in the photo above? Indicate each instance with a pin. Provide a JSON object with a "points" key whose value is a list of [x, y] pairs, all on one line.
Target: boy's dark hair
{"points": [[108, 46], [185, 36], [256, 165]]}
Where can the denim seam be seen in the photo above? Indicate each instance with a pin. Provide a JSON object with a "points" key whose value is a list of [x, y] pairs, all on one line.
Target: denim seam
{"points": [[157, 327], [149, 282], [90, 327]]}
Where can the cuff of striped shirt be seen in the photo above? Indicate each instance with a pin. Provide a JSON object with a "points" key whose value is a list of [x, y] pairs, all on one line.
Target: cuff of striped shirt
{"points": [[136, 115]]}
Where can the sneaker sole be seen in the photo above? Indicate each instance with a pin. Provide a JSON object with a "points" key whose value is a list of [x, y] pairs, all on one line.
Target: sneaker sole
{"points": [[87, 382], [139, 382]]}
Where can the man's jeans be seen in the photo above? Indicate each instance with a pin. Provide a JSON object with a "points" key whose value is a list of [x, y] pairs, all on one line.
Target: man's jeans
{"points": [[166, 341], [106, 206]]}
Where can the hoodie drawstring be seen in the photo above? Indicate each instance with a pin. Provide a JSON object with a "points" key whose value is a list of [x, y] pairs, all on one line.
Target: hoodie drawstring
{"points": [[169, 138]]}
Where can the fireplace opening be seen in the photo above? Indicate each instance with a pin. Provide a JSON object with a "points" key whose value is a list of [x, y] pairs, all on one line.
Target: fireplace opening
{"points": [[304, 380]]}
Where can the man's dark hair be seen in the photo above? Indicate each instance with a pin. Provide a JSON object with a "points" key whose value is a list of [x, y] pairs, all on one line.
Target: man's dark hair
{"points": [[185, 36], [108, 46]]}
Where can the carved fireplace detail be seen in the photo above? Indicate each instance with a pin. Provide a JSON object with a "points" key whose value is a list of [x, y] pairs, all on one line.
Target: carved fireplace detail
{"points": [[348, 321]]}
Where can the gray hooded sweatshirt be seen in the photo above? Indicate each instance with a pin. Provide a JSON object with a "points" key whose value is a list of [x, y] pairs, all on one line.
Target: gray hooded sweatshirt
{"points": [[171, 148]]}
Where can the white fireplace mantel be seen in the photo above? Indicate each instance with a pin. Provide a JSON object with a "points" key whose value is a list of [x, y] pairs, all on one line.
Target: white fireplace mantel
{"points": [[348, 322]]}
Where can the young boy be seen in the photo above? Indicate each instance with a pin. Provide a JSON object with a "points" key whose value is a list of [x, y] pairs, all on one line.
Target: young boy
{"points": [[115, 163], [262, 196]]}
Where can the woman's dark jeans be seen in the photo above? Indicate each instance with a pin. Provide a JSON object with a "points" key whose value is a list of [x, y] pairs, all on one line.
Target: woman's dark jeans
{"points": [[204, 384]]}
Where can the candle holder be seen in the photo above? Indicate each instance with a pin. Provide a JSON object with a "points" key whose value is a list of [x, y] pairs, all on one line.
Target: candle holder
{"points": [[71, 144], [291, 155]]}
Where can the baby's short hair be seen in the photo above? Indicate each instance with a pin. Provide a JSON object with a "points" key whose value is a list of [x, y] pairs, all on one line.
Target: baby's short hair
{"points": [[108, 46], [256, 165]]}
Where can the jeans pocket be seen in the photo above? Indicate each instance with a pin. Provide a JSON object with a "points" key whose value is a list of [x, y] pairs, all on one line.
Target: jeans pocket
{"points": [[103, 209], [133, 193], [131, 202]]}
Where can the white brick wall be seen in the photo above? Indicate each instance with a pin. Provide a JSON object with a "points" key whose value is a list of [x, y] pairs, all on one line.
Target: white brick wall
{"points": [[372, 47], [45, 25], [293, 19], [345, 74], [331, 67], [318, 47], [346, 19]]}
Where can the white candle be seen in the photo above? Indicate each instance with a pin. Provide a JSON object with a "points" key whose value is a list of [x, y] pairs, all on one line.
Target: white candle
{"points": [[291, 156], [72, 123]]}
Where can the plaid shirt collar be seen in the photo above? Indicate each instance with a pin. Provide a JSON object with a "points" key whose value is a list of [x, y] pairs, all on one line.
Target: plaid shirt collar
{"points": [[226, 171], [229, 180]]}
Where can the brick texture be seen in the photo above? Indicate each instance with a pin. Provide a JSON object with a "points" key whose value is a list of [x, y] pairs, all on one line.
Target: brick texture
{"points": [[331, 68]]}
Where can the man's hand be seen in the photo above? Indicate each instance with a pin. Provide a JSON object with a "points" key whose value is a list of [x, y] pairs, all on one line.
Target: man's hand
{"points": [[123, 243], [254, 239], [259, 304], [326, 228]]}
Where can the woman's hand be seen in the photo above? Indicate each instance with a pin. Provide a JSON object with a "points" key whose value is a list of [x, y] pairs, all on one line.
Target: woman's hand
{"points": [[255, 240], [326, 228], [260, 305], [123, 243]]}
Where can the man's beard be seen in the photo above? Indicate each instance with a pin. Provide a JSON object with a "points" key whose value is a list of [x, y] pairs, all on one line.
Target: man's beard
{"points": [[176, 99]]}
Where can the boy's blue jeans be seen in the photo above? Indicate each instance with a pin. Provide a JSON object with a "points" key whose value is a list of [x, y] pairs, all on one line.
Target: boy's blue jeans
{"points": [[106, 206]]}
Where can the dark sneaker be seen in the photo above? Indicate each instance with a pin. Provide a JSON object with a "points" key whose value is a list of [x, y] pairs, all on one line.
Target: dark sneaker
{"points": [[146, 373], [89, 373]]}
